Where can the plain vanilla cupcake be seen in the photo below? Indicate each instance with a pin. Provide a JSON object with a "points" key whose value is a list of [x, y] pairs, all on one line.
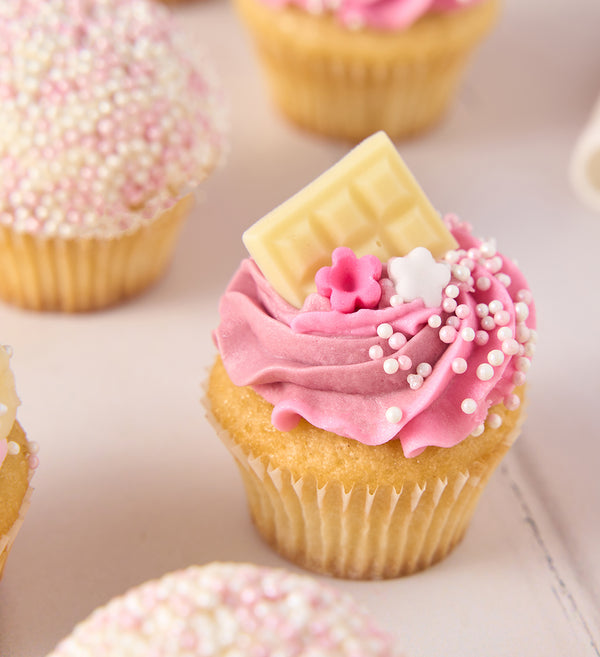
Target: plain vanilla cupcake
{"points": [[347, 68], [371, 370], [18, 460], [229, 610], [108, 123]]}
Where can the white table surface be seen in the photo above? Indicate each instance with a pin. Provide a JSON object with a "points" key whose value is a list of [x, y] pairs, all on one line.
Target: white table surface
{"points": [[133, 483]]}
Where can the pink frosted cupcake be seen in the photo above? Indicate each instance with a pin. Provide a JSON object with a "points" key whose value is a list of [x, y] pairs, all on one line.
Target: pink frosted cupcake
{"points": [[18, 460], [371, 371], [346, 68], [108, 124], [226, 609]]}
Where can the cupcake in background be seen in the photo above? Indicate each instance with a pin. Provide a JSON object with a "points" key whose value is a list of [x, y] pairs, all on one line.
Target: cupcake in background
{"points": [[347, 68], [18, 461], [108, 124], [227, 609], [371, 370]]}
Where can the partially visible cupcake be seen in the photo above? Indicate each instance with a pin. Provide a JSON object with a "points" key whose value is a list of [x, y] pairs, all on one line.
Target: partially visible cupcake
{"points": [[227, 609], [371, 370], [347, 68], [108, 123], [18, 460]]}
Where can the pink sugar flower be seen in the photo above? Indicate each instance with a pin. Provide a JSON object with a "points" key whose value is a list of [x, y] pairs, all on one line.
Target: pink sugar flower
{"points": [[350, 283]]}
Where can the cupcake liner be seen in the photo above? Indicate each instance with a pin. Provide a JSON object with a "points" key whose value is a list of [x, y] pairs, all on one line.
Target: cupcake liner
{"points": [[351, 92], [81, 274], [7, 540], [358, 533]]}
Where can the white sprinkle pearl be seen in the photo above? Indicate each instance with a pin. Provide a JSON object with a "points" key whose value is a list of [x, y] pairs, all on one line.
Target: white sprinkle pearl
{"points": [[452, 257], [435, 321], [453, 321], [13, 448], [396, 300], [404, 362], [525, 296], [523, 364], [452, 291], [393, 415], [495, 357], [449, 305], [478, 430], [502, 318], [523, 332], [467, 334], [495, 306], [463, 311], [510, 347], [488, 323], [385, 331], [397, 341], [468, 406], [494, 264], [375, 352], [485, 372], [390, 366], [459, 366], [504, 333], [460, 272], [415, 381], [494, 420], [488, 249], [530, 349], [522, 311], [519, 378], [483, 283], [424, 369], [504, 279], [481, 338], [447, 334], [482, 310], [512, 402]]}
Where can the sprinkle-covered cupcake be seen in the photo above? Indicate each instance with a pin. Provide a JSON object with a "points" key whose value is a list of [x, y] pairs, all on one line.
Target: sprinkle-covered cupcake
{"points": [[18, 460], [108, 123], [226, 610], [346, 68], [371, 370]]}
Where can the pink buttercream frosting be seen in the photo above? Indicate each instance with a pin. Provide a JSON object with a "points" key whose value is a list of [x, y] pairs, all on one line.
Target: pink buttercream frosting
{"points": [[426, 375], [379, 14]]}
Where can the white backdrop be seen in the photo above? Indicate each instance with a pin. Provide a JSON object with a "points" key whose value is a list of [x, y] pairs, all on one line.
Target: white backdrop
{"points": [[133, 482]]}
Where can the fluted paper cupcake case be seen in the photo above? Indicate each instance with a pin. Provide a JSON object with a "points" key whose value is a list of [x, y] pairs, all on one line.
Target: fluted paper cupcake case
{"points": [[349, 84], [81, 274], [358, 533]]}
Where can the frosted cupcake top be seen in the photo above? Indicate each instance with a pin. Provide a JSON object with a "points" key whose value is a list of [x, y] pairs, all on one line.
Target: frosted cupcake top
{"points": [[227, 610], [8, 403], [394, 343], [104, 119], [379, 14]]}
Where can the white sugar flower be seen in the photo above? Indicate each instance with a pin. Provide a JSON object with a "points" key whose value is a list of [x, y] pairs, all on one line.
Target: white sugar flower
{"points": [[418, 276]]}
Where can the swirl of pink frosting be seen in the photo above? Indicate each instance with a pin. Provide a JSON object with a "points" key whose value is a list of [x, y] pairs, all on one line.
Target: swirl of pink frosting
{"points": [[423, 375], [378, 14]]}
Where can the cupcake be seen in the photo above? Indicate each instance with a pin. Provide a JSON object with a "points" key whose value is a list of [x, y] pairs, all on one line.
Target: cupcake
{"points": [[371, 370], [227, 609], [108, 125], [347, 68], [18, 460]]}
